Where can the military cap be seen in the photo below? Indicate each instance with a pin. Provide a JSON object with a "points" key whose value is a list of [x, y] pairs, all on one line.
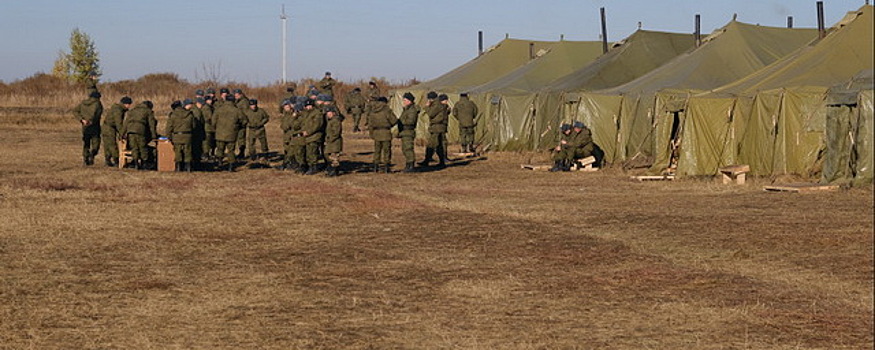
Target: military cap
{"points": [[382, 99], [431, 95], [565, 127], [211, 91], [357, 90], [187, 102], [327, 73], [199, 92], [374, 83], [175, 104], [578, 124], [200, 100], [223, 91], [253, 102], [287, 103], [126, 100], [94, 94], [290, 89], [325, 98], [148, 104], [443, 97], [409, 96], [229, 98], [238, 91], [464, 94], [309, 103]]}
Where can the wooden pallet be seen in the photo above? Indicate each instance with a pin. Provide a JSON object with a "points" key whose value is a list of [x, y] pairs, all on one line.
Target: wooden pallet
{"points": [[653, 178], [800, 187]]}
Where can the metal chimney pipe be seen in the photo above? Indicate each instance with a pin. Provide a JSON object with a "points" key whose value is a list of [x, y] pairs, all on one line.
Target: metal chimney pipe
{"points": [[821, 29], [479, 43], [698, 33], [789, 21], [604, 32]]}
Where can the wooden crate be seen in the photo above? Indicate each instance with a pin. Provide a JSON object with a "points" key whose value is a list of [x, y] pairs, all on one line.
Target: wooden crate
{"points": [[166, 157], [737, 173]]}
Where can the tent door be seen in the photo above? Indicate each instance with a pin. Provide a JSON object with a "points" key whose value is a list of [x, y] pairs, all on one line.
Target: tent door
{"points": [[675, 140]]}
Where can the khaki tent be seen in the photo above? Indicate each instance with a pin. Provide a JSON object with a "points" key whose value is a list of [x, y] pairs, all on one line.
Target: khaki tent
{"points": [[775, 119], [495, 62], [848, 157], [648, 106], [627, 60], [508, 120]]}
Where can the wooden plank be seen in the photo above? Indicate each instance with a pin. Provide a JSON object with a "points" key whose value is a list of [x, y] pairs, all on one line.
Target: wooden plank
{"points": [[463, 155], [586, 161], [536, 167], [800, 187], [124, 153], [654, 178]]}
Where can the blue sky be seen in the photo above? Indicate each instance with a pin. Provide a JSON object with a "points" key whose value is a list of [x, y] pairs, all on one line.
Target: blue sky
{"points": [[397, 40]]}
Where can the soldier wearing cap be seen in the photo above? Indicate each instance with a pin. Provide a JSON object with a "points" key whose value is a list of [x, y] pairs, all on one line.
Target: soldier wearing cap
{"points": [[372, 94], [326, 85], [288, 96], [223, 98], [88, 113], [407, 130], [256, 119], [243, 104], [381, 119], [559, 150], [227, 121], [438, 115], [354, 103], [138, 129], [577, 144], [110, 130], [333, 139], [91, 82], [312, 125], [211, 94], [465, 112], [288, 124], [199, 134], [199, 93], [180, 126]]}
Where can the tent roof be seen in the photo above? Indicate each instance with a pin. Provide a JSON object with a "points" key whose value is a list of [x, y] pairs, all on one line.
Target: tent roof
{"points": [[726, 55], [628, 59], [496, 61], [835, 59], [559, 59]]}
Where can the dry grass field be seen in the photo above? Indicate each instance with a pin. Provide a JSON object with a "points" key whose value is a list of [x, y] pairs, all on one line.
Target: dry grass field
{"points": [[480, 255]]}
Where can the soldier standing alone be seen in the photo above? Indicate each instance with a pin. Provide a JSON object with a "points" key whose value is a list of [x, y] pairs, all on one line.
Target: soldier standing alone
{"points": [[111, 129], [380, 121], [465, 112], [355, 106], [407, 130], [88, 113]]}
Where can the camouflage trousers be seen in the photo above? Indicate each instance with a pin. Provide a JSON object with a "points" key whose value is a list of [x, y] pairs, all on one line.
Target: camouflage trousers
{"points": [[110, 145], [90, 142], [137, 143], [225, 149], [256, 134], [209, 143], [182, 151], [570, 154], [308, 154], [382, 152], [407, 147], [466, 135]]}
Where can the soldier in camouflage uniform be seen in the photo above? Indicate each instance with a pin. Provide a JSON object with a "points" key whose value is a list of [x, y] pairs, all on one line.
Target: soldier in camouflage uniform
{"points": [[312, 127], [289, 96], [298, 143], [199, 134], [242, 103], [333, 139], [222, 99], [326, 85], [227, 121], [111, 129], [381, 119], [578, 144], [209, 144], [354, 103], [465, 112], [256, 119], [438, 115], [138, 129], [91, 83], [559, 151], [288, 121], [88, 113], [407, 130], [180, 126]]}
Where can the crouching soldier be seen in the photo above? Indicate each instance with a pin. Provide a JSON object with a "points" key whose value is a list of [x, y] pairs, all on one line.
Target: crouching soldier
{"points": [[180, 126], [333, 139], [575, 144], [136, 130], [227, 121], [561, 145], [256, 119], [380, 122], [88, 113], [407, 130]]}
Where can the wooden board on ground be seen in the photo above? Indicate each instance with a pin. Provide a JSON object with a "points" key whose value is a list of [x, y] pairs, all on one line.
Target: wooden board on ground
{"points": [[800, 187], [536, 167], [166, 157], [463, 155], [653, 178]]}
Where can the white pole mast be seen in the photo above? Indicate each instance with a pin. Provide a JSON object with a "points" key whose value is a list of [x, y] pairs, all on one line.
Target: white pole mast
{"points": [[283, 17]]}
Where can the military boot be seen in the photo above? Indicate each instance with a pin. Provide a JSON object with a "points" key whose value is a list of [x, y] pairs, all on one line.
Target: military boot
{"points": [[108, 161], [376, 168], [187, 167], [311, 171], [566, 165], [331, 171], [429, 153], [230, 167], [557, 166], [408, 168], [387, 169], [138, 164]]}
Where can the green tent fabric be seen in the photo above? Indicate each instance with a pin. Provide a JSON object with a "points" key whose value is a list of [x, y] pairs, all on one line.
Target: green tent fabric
{"points": [[726, 55], [849, 148], [509, 119], [777, 115]]}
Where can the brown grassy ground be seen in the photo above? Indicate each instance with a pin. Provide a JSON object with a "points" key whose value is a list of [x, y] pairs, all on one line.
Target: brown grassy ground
{"points": [[477, 256]]}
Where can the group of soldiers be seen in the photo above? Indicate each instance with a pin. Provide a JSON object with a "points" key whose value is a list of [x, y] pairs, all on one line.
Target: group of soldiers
{"points": [[213, 128], [575, 142]]}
